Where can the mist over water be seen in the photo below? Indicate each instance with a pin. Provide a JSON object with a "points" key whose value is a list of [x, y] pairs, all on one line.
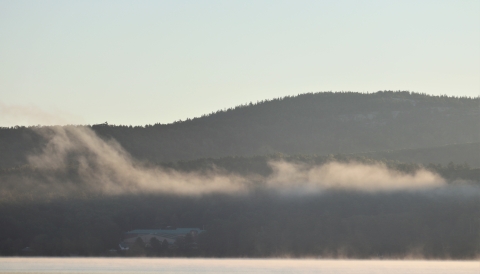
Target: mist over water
{"points": [[214, 266], [103, 166]]}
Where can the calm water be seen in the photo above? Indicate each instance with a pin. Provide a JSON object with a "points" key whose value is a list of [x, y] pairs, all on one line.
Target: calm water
{"points": [[260, 266]]}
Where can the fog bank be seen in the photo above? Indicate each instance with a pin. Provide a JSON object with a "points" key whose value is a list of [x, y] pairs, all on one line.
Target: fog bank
{"points": [[76, 159]]}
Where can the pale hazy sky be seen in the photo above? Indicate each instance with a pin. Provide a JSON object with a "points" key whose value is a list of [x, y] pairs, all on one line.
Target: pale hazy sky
{"points": [[143, 62]]}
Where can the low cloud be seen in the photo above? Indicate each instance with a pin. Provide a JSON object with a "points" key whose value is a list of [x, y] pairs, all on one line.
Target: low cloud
{"points": [[75, 160], [348, 176], [106, 167]]}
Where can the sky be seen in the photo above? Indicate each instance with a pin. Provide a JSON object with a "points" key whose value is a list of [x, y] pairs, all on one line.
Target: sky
{"points": [[147, 62]]}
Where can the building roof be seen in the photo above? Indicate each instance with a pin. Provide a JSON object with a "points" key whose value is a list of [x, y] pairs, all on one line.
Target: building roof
{"points": [[177, 231]]}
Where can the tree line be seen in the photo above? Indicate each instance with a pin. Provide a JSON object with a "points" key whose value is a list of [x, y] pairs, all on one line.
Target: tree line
{"points": [[439, 225]]}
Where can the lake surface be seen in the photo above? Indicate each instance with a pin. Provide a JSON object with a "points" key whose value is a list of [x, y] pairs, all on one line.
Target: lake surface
{"points": [[214, 266]]}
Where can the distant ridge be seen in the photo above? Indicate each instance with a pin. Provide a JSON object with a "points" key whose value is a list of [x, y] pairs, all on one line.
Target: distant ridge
{"points": [[313, 123]]}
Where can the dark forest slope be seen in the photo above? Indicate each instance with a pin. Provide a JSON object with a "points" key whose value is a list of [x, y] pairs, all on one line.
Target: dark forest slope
{"points": [[315, 123], [457, 153]]}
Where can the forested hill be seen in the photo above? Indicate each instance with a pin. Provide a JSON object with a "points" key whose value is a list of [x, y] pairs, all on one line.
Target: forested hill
{"points": [[314, 123]]}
